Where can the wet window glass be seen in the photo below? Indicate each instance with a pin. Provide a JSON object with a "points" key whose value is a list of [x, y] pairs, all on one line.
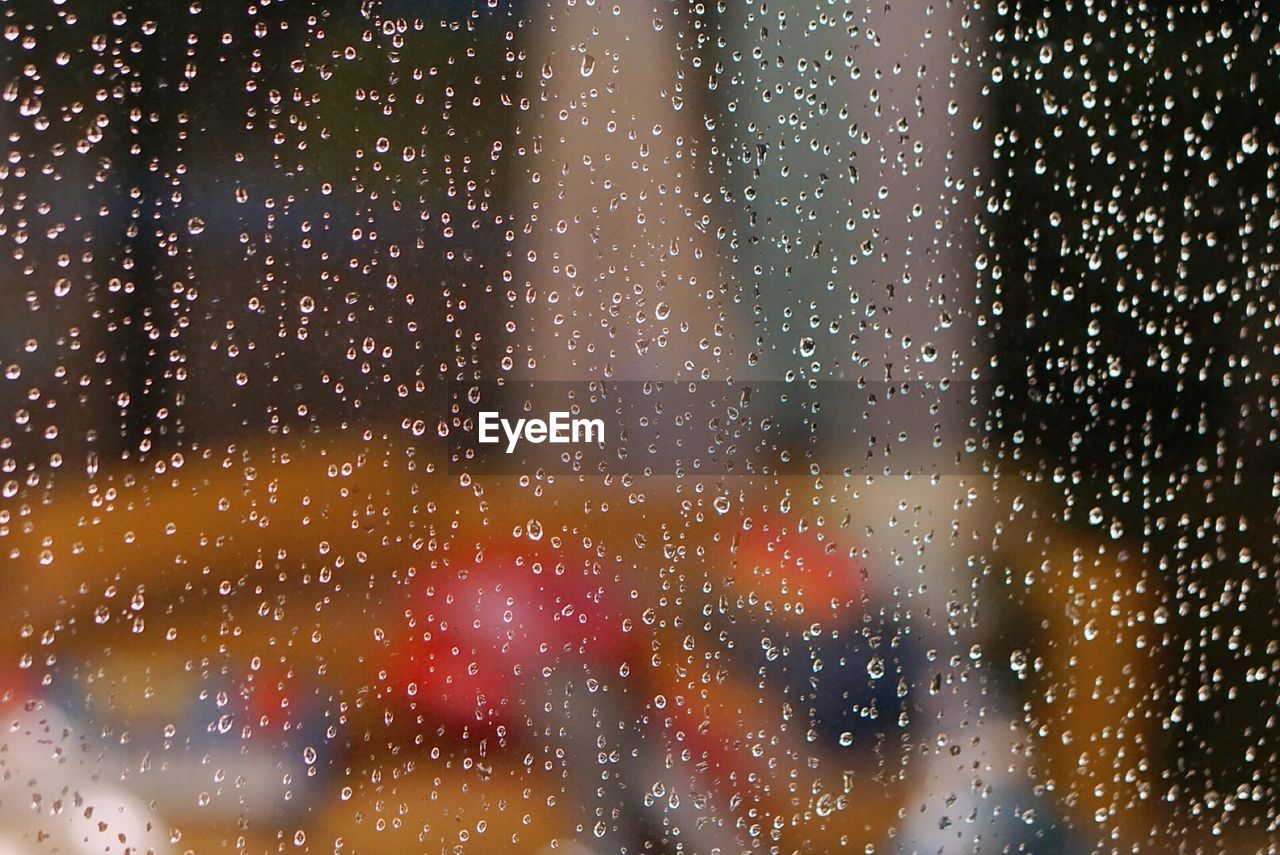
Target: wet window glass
{"points": [[602, 426]]}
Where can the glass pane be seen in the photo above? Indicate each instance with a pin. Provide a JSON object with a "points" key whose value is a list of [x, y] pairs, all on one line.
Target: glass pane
{"points": [[600, 427]]}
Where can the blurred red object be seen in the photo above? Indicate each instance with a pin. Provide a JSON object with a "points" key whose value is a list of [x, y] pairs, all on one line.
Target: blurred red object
{"points": [[479, 640], [796, 573]]}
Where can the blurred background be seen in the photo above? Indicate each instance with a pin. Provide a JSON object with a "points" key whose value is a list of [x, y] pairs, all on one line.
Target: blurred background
{"points": [[939, 510]]}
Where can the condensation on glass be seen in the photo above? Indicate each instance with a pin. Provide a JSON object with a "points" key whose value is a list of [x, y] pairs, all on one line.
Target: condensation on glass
{"points": [[934, 351]]}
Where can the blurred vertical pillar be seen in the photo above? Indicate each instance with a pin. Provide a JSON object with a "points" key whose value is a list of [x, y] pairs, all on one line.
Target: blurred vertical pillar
{"points": [[616, 275], [854, 145], [855, 134], [856, 138]]}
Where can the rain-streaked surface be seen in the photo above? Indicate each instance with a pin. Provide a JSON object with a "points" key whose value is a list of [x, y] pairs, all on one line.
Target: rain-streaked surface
{"points": [[934, 349]]}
